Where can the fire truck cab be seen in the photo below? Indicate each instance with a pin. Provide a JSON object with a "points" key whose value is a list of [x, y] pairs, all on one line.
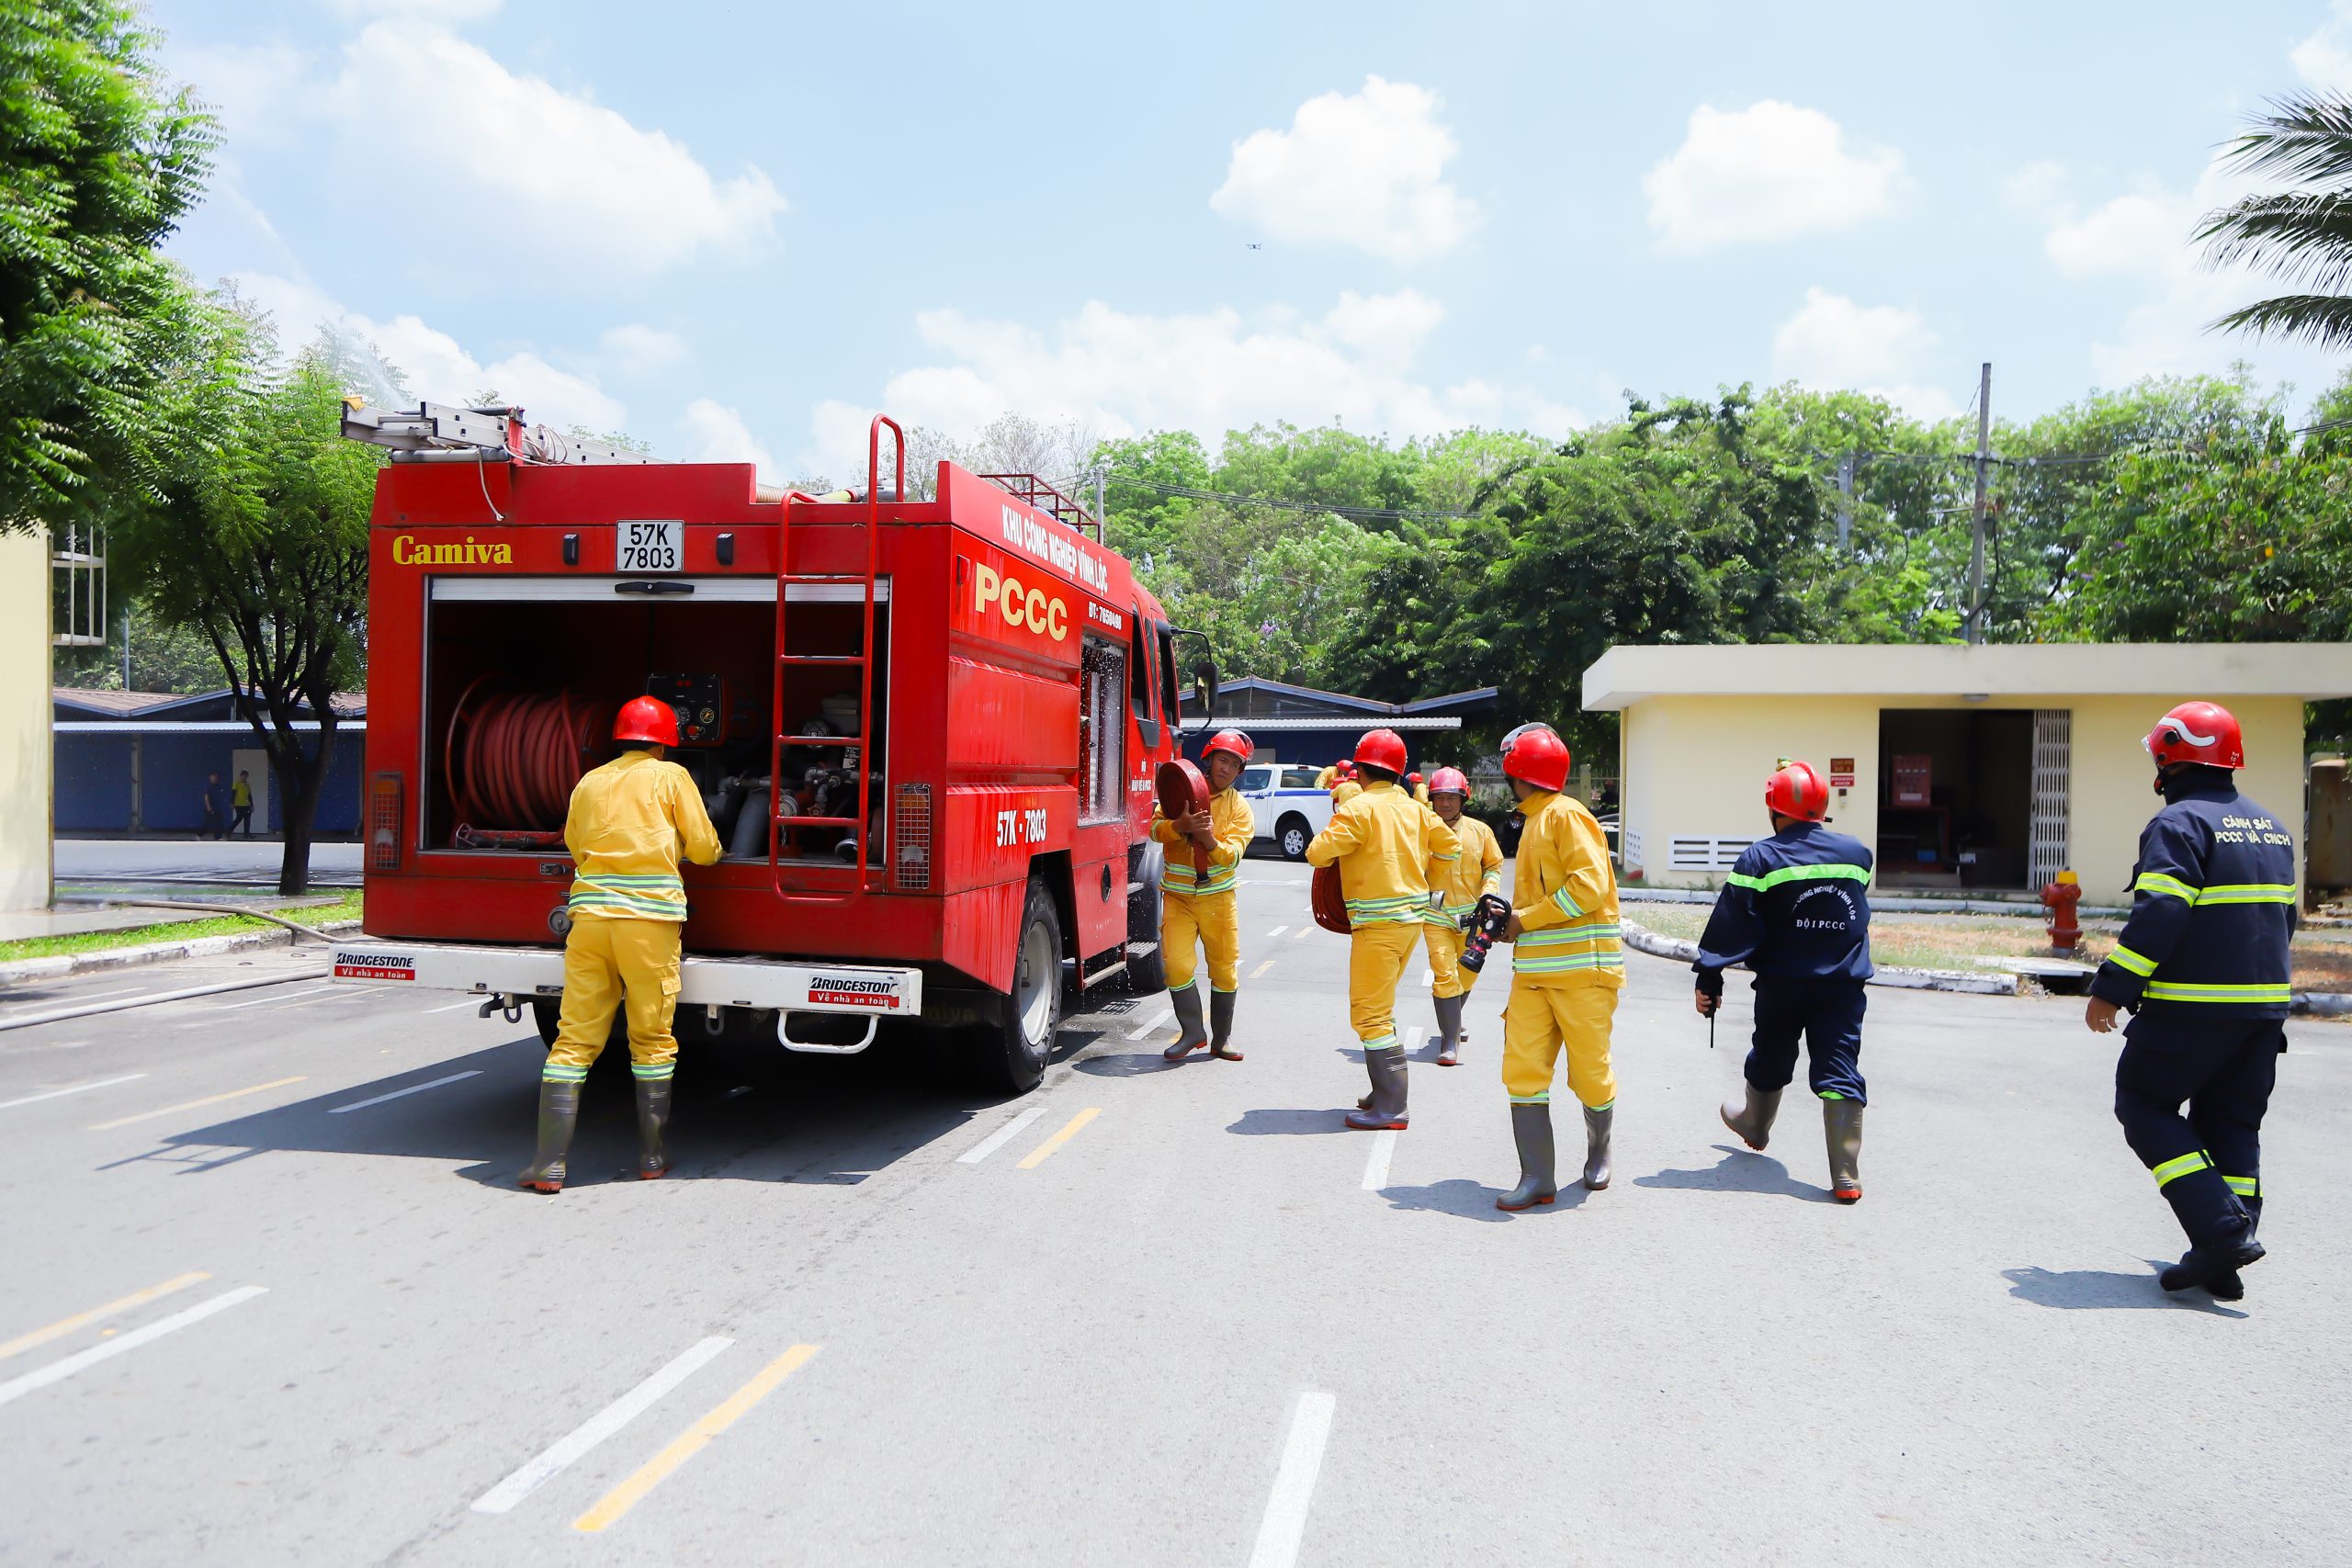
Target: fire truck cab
{"points": [[926, 730]]}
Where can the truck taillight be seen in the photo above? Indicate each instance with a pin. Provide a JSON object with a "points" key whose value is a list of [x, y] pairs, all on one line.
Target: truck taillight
{"points": [[384, 796], [910, 838]]}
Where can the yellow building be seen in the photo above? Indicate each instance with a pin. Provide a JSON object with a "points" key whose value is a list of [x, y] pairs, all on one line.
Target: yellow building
{"points": [[24, 768], [1963, 768]]}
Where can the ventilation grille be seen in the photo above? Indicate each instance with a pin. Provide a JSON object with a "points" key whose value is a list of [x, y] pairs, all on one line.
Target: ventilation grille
{"points": [[1704, 854]]}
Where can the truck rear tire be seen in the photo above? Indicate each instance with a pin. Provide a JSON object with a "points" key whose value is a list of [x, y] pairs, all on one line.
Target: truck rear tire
{"points": [[1291, 835], [1015, 1048], [1147, 970]]}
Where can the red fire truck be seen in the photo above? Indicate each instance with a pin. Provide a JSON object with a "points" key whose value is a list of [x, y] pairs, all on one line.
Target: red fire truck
{"points": [[926, 730]]}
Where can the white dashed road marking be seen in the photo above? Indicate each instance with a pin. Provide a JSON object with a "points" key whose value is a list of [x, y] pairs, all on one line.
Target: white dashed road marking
{"points": [[58, 1372], [403, 1093], [502, 1497], [1286, 1521], [1164, 1015], [998, 1138], [71, 1088]]}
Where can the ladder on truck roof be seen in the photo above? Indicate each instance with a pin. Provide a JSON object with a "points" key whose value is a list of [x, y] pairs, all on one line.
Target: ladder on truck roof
{"points": [[857, 747]]}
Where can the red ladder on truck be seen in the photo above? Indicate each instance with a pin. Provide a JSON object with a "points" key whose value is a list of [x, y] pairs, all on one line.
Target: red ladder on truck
{"points": [[858, 747]]}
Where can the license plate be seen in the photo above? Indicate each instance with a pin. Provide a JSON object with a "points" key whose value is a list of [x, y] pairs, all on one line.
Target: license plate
{"points": [[651, 547]]}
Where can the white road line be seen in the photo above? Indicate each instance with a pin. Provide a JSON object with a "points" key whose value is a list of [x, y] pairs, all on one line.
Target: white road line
{"points": [[265, 1001], [1277, 931], [1413, 1032], [1428, 978], [58, 1372], [77, 1089], [1163, 1016], [1285, 1522], [468, 1002], [403, 1093], [143, 998], [998, 1138], [502, 1497], [1376, 1164]]}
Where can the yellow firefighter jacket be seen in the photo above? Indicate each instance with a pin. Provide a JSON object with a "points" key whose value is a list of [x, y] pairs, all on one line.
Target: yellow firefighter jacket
{"points": [[1231, 822], [1455, 884], [629, 821], [1387, 845], [1566, 896]]}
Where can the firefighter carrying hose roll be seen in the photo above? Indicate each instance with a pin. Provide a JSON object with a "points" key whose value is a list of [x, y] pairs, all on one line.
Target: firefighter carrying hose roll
{"points": [[1387, 845], [1796, 910], [1205, 909], [2204, 964], [629, 822], [1567, 965], [1478, 869]]}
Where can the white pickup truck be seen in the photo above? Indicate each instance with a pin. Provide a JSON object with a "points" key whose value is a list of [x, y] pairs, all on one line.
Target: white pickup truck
{"points": [[1288, 807]]}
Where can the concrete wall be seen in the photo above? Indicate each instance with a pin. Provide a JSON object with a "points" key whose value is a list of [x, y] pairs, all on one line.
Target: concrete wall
{"points": [[24, 721], [1696, 766]]}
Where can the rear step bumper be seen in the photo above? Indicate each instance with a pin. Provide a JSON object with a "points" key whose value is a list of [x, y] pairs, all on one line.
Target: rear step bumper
{"points": [[525, 972]]}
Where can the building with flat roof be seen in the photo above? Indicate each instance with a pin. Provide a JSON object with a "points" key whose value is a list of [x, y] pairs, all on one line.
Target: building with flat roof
{"points": [[1963, 767], [1302, 724]]}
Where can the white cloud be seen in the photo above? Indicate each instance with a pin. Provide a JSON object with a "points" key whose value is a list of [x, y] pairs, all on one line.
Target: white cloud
{"points": [[1366, 170], [1118, 373], [2140, 232], [438, 10], [1771, 171], [716, 433], [639, 348], [2038, 188], [477, 161], [1832, 342], [437, 366], [2324, 58]]}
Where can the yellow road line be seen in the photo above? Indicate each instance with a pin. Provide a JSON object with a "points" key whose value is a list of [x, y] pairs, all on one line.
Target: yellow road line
{"points": [[1261, 969], [194, 1104], [1044, 1151], [692, 1441], [24, 1342]]}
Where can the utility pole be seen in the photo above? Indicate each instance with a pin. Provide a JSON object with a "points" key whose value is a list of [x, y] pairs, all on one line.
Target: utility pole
{"points": [[1976, 520], [1845, 501], [1101, 474]]}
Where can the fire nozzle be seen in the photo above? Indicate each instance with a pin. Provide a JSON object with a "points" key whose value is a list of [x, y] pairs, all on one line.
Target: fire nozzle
{"points": [[2061, 898]]}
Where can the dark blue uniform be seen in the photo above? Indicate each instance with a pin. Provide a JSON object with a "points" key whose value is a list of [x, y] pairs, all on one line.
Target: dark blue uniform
{"points": [[2203, 962], [1797, 908]]}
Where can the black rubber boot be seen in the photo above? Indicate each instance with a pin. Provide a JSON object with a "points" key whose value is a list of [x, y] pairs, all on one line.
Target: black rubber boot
{"points": [[559, 1113], [652, 1120], [1596, 1127], [1191, 1033], [1449, 1031], [1752, 1119], [1386, 1067], [1841, 1124], [1221, 1026], [1530, 1129], [2215, 1265], [2225, 1286]]}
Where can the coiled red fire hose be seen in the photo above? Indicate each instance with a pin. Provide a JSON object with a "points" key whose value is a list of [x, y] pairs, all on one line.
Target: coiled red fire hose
{"points": [[510, 757]]}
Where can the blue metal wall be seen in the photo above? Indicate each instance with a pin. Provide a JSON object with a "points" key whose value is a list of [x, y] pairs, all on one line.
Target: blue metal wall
{"points": [[93, 774]]}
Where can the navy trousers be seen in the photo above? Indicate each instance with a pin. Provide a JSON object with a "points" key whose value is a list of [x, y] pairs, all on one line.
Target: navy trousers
{"points": [[2208, 1163], [1828, 1014]]}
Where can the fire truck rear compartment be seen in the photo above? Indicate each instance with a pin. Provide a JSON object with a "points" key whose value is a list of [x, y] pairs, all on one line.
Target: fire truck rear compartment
{"points": [[521, 693]]}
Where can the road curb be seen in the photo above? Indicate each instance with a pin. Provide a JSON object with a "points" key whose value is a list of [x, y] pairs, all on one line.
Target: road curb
{"points": [[1641, 939], [67, 963]]}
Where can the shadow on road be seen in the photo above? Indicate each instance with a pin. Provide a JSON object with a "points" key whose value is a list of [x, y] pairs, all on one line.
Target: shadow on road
{"points": [[1128, 1065], [742, 1114], [2104, 1289], [1467, 1199], [1290, 1124], [1738, 1171]]}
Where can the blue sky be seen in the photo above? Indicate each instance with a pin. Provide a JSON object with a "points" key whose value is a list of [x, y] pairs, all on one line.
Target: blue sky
{"points": [[735, 231]]}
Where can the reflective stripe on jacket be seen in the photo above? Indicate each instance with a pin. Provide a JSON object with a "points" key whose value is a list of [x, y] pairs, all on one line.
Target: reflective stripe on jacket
{"points": [[1455, 884], [1232, 825], [1797, 906], [1384, 843], [1564, 893], [2213, 911], [629, 822]]}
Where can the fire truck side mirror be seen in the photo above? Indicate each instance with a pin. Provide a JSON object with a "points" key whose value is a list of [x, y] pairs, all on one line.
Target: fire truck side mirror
{"points": [[1204, 688]]}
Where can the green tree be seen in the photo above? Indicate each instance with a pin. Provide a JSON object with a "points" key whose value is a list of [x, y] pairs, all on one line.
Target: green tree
{"points": [[163, 657], [259, 541], [98, 159], [2301, 236]]}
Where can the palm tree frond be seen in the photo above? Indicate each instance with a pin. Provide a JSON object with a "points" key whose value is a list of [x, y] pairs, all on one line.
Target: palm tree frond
{"points": [[2321, 320], [2303, 237], [2307, 136]]}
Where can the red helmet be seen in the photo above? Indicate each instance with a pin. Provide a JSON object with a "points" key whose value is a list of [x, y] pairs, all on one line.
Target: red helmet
{"points": [[1380, 749], [1231, 740], [1413, 778], [2197, 732], [1345, 770], [1449, 781], [1798, 791], [649, 719], [1532, 752]]}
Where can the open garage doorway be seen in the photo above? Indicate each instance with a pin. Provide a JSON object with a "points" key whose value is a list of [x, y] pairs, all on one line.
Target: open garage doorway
{"points": [[1956, 798]]}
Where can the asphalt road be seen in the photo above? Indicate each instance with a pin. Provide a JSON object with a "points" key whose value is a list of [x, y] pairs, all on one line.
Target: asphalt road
{"points": [[273, 1298]]}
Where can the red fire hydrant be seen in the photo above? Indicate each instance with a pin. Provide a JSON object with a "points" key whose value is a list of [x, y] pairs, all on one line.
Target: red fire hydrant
{"points": [[2060, 897]]}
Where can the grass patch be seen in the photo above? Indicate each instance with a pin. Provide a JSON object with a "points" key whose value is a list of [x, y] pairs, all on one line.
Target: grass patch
{"points": [[345, 907], [1949, 942]]}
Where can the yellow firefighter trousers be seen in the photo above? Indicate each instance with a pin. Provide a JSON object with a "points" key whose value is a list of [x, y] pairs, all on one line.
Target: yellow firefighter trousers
{"points": [[1447, 977], [604, 960], [1376, 958], [1538, 1021], [1214, 921]]}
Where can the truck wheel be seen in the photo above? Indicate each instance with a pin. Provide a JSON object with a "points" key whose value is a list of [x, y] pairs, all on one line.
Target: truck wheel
{"points": [[1020, 1043], [1147, 970], [1293, 834]]}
